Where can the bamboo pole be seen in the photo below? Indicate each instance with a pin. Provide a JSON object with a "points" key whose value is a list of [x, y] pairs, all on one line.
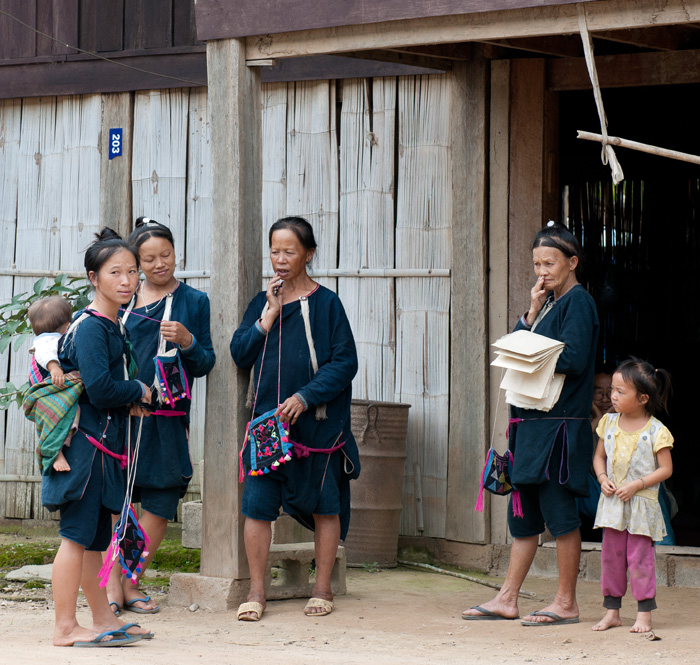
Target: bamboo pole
{"points": [[642, 147]]}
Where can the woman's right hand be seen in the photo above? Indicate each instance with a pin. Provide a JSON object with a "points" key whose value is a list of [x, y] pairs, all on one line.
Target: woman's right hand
{"points": [[538, 295], [273, 301]]}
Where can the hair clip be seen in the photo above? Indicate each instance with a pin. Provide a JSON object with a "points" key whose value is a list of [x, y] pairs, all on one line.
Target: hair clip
{"points": [[551, 223]]}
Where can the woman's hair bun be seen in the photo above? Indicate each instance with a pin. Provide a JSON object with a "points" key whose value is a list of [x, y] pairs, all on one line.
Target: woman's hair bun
{"points": [[107, 234]]}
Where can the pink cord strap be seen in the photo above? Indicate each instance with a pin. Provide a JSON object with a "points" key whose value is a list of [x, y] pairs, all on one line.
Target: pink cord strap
{"points": [[303, 451], [122, 458], [167, 412]]}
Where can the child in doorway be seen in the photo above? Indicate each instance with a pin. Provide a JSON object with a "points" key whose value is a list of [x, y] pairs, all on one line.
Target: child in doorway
{"points": [[632, 458], [49, 318]]}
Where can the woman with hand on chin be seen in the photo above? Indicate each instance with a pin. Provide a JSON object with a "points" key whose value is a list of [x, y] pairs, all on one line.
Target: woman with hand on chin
{"points": [[303, 325], [551, 450], [164, 467]]}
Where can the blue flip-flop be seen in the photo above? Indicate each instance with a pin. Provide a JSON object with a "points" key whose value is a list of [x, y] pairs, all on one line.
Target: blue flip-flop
{"points": [[144, 636], [555, 619], [100, 641], [486, 615], [130, 606], [117, 608]]}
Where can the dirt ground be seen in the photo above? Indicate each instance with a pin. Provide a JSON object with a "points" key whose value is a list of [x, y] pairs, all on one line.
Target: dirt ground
{"points": [[392, 616]]}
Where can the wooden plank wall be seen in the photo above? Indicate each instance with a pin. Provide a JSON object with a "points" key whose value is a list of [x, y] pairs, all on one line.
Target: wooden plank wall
{"points": [[117, 25], [367, 161]]}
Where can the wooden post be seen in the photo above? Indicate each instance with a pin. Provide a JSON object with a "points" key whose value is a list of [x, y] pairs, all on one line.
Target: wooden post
{"points": [[499, 155], [469, 323], [526, 215], [236, 264], [115, 174]]}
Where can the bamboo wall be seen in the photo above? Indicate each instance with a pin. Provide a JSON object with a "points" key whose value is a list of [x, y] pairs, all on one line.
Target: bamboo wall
{"points": [[366, 161]]}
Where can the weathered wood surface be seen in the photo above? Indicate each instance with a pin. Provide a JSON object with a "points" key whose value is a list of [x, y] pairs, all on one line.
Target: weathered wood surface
{"points": [[526, 179], [159, 163], [218, 19], [468, 407], [423, 239], [274, 160], [499, 174], [10, 131], [234, 104], [312, 166], [367, 148], [366, 207], [115, 174], [560, 19], [200, 199]]}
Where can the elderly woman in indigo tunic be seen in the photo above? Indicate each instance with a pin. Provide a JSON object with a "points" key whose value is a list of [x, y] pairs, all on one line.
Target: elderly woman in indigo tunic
{"points": [[552, 450], [314, 488], [95, 485], [164, 466]]}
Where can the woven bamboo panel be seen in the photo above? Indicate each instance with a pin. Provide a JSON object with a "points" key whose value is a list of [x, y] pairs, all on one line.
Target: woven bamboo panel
{"points": [[423, 240], [159, 166], [367, 149]]}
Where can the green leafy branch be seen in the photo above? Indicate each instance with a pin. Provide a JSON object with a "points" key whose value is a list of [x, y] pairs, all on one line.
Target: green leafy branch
{"points": [[15, 327]]}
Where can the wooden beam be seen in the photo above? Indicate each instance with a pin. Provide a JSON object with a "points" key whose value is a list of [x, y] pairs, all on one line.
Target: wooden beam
{"points": [[236, 264], [78, 77], [326, 67], [561, 19], [403, 58], [630, 70], [565, 46], [115, 174], [469, 319], [220, 19], [671, 38]]}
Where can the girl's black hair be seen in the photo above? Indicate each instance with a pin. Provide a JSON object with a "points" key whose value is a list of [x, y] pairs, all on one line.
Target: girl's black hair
{"points": [[146, 228], [647, 380], [107, 243], [559, 237], [300, 227]]}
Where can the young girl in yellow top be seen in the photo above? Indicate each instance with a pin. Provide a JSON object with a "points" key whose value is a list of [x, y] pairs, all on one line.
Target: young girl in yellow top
{"points": [[633, 456]]}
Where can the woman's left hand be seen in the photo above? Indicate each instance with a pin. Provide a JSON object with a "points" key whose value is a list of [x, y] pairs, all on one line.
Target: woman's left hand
{"points": [[175, 332], [290, 409]]}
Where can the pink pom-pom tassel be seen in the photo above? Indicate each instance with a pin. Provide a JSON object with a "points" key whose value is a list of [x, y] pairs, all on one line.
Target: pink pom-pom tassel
{"points": [[517, 505], [479, 507]]}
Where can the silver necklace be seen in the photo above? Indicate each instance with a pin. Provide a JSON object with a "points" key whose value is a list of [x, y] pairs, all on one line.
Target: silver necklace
{"points": [[153, 305]]}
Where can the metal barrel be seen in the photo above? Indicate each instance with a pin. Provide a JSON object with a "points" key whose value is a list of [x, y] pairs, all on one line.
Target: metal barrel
{"points": [[380, 431]]}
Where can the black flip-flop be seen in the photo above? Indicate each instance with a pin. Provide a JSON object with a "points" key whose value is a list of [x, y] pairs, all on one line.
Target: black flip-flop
{"points": [[555, 619], [486, 615]]}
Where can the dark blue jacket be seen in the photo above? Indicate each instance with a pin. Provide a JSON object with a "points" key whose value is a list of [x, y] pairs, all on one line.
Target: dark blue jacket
{"points": [[164, 455], [331, 385], [573, 320], [96, 349]]}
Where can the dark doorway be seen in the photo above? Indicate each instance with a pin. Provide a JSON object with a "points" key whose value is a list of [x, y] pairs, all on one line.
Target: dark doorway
{"points": [[641, 243]]}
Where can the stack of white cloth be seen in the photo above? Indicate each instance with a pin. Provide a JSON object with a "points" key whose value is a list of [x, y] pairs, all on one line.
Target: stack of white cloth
{"points": [[529, 360]]}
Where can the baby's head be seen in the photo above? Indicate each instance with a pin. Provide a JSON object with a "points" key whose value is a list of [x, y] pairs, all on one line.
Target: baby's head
{"points": [[638, 381], [51, 314]]}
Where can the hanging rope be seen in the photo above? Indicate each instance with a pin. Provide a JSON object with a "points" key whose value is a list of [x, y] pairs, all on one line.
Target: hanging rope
{"points": [[607, 153]]}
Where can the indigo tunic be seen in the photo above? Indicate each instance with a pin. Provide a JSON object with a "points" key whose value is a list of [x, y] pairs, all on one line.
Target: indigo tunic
{"points": [[96, 349], [303, 478], [164, 454], [573, 319]]}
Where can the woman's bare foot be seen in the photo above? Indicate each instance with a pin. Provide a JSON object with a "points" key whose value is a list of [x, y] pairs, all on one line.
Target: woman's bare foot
{"points": [[642, 624], [77, 634], [610, 620], [497, 607], [253, 598], [325, 595], [61, 464], [134, 598], [568, 611]]}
